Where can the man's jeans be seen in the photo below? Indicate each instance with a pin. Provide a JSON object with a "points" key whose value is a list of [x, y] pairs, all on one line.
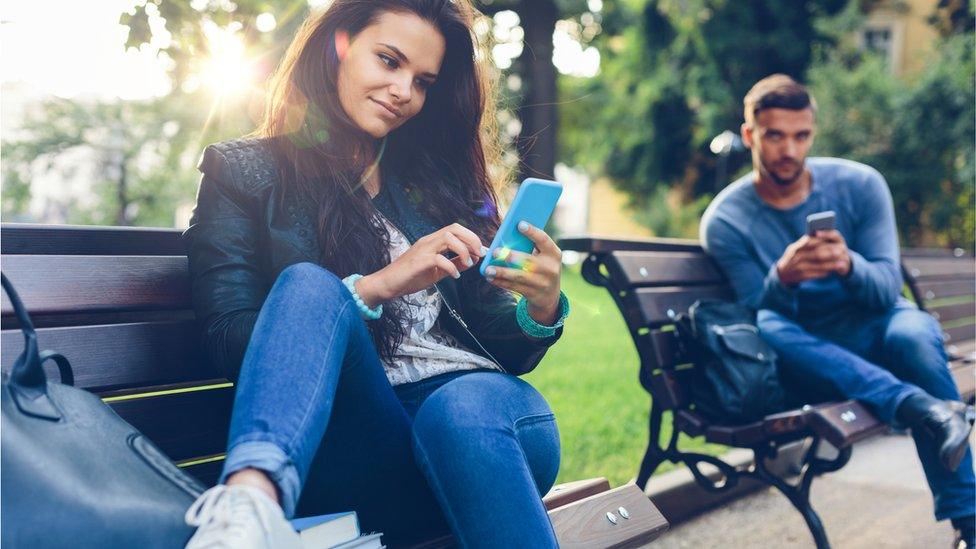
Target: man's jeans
{"points": [[472, 451], [879, 360]]}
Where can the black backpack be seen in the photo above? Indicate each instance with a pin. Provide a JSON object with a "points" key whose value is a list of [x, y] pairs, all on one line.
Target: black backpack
{"points": [[735, 379]]}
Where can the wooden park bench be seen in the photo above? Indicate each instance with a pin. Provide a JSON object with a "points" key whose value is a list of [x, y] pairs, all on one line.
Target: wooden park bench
{"points": [[116, 303], [651, 280], [943, 282]]}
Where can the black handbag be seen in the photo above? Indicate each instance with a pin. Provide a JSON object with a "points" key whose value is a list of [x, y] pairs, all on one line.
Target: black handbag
{"points": [[735, 379], [74, 474]]}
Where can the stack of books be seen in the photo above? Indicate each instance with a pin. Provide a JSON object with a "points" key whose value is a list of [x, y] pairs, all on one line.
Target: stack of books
{"points": [[335, 531]]}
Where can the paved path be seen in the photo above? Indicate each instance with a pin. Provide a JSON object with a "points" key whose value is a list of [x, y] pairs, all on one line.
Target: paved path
{"points": [[880, 499]]}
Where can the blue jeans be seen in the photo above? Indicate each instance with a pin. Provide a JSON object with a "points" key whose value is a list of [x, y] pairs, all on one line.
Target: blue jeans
{"points": [[471, 452], [879, 360]]}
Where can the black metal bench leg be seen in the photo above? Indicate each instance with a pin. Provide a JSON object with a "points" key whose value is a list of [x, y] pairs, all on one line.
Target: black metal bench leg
{"points": [[799, 495], [652, 459], [654, 455], [801, 502]]}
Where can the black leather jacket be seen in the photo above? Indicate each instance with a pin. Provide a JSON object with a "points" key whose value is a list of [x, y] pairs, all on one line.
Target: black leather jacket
{"points": [[245, 231]]}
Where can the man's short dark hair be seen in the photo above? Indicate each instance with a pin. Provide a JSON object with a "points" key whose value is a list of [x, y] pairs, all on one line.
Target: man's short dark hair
{"points": [[777, 91]]}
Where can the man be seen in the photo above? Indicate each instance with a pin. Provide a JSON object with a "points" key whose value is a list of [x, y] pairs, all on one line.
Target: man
{"points": [[830, 303]]}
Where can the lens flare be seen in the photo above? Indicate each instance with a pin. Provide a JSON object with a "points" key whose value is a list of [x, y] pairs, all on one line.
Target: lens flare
{"points": [[487, 208]]}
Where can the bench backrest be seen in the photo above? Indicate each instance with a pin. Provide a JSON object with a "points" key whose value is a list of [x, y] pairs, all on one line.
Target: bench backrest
{"points": [[943, 282], [651, 281], [116, 302]]}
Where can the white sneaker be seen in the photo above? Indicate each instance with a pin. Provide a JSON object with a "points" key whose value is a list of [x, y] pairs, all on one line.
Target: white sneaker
{"points": [[239, 517]]}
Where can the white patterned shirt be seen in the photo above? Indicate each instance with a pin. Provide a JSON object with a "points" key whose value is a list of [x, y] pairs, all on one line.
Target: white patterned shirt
{"points": [[427, 348]]}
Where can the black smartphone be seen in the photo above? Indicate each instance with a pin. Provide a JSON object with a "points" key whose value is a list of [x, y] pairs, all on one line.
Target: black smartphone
{"points": [[821, 221]]}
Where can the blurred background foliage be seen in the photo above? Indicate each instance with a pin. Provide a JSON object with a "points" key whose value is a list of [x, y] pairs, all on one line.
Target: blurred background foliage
{"points": [[671, 77]]}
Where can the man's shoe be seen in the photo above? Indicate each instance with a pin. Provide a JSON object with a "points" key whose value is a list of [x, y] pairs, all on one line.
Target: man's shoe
{"points": [[239, 517], [965, 532], [962, 542], [949, 423]]}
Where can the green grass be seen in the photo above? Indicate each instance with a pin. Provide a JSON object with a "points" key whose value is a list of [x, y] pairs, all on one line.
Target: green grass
{"points": [[590, 379]]}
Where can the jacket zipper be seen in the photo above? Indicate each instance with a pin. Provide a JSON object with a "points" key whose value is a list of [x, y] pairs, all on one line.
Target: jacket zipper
{"points": [[450, 309]]}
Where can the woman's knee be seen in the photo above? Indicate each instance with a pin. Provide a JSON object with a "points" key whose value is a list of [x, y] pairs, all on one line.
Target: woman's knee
{"points": [[481, 399], [310, 282]]}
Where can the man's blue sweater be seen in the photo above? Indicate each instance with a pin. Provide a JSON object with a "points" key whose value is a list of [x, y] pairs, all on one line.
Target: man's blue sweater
{"points": [[746, 237]]}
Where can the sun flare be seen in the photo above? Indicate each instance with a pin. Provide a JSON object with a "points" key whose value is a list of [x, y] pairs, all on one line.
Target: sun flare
{"points": [[228, 71]]}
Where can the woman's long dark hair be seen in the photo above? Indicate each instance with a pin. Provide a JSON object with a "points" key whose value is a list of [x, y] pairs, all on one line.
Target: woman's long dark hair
{"points": [[444, 152]]}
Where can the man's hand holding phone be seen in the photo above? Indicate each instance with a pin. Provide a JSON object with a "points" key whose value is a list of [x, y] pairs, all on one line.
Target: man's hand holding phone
{"points": [[813, 257], [536, 277]]}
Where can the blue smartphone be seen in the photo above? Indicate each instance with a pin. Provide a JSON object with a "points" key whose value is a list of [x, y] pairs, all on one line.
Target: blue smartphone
{"points": [[534, 202]]}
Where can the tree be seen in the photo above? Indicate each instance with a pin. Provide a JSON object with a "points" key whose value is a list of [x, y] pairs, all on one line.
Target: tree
{"points": [[918, 134], [673, 76], [135, 151], [142, 154], [536, 100]]}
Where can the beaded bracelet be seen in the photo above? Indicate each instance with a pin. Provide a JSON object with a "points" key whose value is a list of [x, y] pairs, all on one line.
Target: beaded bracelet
{"points": [[364, 311], [533, 328]]}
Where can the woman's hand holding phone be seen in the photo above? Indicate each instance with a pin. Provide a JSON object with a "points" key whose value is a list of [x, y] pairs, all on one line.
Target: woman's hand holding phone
{"points": [[537, 276], [423, 264]]}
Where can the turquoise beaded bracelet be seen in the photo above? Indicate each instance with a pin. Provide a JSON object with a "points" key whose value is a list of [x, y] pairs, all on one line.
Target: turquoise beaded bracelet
{"points": [[533, 328], [364, 311]]}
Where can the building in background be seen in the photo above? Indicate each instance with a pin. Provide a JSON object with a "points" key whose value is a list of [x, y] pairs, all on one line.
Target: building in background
{"points": [[900, 31]]}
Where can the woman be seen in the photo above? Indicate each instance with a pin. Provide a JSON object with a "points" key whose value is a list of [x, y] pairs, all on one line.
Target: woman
{"points": [[379, 374]]}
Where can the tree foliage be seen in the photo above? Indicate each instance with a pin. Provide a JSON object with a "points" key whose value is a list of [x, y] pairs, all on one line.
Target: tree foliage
{"points": [[918, 133], [132, 154], [673, 74]]}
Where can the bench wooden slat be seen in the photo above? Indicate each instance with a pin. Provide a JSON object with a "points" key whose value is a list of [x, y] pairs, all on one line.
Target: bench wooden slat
{"points": [[663, 349], [742, 436], [653, 307], [935, 289], [933, 252], [668, 389], [118, 356], [184, 425], [963, 375], [959, 333], [963, 351], [844, 423], [59, 284], [584, 524], [662, 269], [208, 473], [568, 492], [921, 268], [37, 239], [596, 244], [948, 313]]}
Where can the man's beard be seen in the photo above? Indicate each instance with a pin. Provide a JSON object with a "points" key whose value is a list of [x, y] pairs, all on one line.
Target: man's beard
{"points": [[779, 180]]}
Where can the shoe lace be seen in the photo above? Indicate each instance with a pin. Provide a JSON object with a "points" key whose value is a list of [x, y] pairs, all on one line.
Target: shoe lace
{"points": [[223, 515]]}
